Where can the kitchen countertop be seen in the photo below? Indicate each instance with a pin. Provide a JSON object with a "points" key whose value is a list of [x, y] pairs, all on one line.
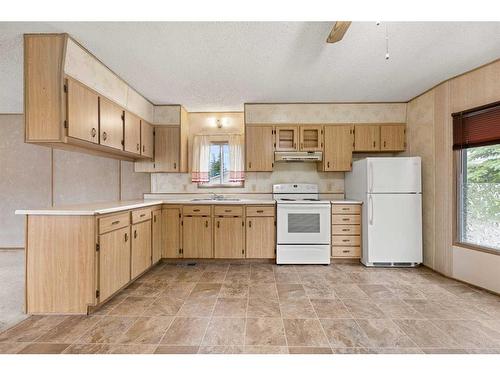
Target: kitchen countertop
{"points": [[91, 209]]}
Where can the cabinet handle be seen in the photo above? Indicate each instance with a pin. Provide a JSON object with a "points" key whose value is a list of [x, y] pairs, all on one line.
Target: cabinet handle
{"points": [[143, 148], [373, 144], [328, 164], [126, 237], [135, 233], [138, 147], [154, 218], [345, 240], [175, 165], [384, 144], [260, 211], [345, 251], [142, 215], [104, 136], [115, 222], [345, 219], [345, 208], [206, 224], [250, 224], [197, 210], [249, 165], [345, 230], [93, 132], [228, 210], [218, 224]]}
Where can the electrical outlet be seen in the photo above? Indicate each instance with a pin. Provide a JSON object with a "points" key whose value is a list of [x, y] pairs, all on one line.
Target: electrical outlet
{"points": [[184, 187], [254, 187]]}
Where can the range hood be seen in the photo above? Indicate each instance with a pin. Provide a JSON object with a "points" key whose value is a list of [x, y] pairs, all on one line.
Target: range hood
{"points": [[298, 156]]}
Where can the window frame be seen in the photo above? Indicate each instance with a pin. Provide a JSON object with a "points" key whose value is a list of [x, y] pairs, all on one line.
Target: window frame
{"points": [[459, 159], [221, 185]]}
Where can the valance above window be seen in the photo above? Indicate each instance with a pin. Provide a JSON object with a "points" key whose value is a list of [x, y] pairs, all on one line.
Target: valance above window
{"points": [[477, 127]]}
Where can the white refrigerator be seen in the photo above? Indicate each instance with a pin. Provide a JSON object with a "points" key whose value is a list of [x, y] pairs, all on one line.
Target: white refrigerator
{"points": [[391, 191]]}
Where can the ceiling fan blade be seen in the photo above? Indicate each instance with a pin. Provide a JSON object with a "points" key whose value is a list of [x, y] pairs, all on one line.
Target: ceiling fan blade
{"points": [[338, 31]]}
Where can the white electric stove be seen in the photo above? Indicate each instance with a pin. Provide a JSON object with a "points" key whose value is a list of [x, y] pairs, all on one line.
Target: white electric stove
{"points": [[303, 225]]}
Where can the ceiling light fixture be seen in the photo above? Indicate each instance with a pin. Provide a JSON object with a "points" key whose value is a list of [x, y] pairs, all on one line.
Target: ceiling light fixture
{"points": [[386, 40]]}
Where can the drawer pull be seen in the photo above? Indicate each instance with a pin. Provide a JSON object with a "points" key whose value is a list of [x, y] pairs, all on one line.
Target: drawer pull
{"points": [[115, 222], [218, 224], [126, 237], [206, 224], [250, 224], [228, 210], [142, 215], [135, 233], [196, 210], [260, 211], [346, 240], [345, 219], [345, 208], [346, 230], [345, 251]]}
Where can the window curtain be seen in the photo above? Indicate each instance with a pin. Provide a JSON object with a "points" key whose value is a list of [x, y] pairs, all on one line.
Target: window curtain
{"points": [[236, 158], [200, 160]]}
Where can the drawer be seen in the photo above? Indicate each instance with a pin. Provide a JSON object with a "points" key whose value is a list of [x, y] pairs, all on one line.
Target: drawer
{"points": [[347, 252], [260, 210], [346, 230], [141, 215], [346, 219], [109, 223], [202, 210], [228, 211], [347, 209], [346, 240]]}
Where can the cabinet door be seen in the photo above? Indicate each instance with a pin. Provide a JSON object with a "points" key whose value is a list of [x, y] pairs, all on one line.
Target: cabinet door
{"points": [[367, 138], [141, 248], [339, 140], [114, 261], [197, 237], [311, 138], [229, 237], [260, 237], [171, 222], [259, 148], [157, 234], [147, 139], [287, 138], [111, 125], [83, 112], [393, 137], [167, 146], [132, 133]]}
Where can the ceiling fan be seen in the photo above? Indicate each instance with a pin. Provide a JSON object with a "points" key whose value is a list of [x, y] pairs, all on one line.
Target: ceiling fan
{"points": [[338, 31]]}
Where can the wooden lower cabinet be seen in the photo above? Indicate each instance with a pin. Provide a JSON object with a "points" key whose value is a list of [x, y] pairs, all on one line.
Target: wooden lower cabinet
{"points": [[114, 261], [346, 230], [260, 237], [197, 237], [156, 236], [171, 224], [229, 237], [141, 248]]}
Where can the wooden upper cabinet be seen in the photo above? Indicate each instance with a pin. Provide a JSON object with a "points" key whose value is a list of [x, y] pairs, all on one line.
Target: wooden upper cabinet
{"points": [[83, 112], [367, 138], [111, 129], [338, 147], [259, 145], [311, 138], [229, 237], [147, 138], [287, 138], [132, 133], [393, 137], [167, 146]]}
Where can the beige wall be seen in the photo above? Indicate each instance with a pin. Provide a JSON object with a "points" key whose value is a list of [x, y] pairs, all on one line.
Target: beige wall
{"points": [[35, 177], [430, 127]]}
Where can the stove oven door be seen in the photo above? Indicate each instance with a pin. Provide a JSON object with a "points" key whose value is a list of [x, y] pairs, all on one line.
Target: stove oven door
{"points": [[302, 223]]}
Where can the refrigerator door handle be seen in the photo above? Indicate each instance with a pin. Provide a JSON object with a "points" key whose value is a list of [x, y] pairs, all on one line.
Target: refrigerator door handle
{"points": [[370, 210], [370, 176]]}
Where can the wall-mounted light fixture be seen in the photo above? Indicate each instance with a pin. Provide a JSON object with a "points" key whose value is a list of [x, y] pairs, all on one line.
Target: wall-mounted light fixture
{"points": [[219, 123]]}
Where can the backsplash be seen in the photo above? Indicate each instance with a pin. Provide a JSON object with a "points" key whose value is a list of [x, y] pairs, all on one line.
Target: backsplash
{"points": [[256, 182]]}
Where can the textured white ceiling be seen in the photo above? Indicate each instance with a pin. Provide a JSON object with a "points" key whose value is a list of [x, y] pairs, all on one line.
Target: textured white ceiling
{"points": [[210, 66]]}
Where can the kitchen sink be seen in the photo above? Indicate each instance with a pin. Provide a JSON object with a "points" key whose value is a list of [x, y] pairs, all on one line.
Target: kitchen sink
{"points": [[221, 199]]}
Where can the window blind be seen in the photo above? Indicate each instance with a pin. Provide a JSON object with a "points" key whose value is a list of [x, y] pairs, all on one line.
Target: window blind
{"points": [[477, 127]]}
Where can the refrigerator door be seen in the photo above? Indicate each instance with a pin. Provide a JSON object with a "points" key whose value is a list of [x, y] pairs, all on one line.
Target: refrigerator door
{"points": [[393, 175], [394, 229]]}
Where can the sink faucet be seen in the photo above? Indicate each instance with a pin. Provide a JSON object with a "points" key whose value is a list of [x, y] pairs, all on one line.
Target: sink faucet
{"points": [[217, 196]]}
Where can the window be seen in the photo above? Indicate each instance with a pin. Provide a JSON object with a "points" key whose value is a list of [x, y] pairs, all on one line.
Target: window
{"points": [[476, 135], [219, 166]]}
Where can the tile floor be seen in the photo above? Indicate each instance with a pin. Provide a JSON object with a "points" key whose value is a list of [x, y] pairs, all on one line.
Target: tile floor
{"points": [[264, 308]]}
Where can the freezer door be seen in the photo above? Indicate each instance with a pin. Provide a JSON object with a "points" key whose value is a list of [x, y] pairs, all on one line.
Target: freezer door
{"points": [[393, 175], [394, 228]]}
